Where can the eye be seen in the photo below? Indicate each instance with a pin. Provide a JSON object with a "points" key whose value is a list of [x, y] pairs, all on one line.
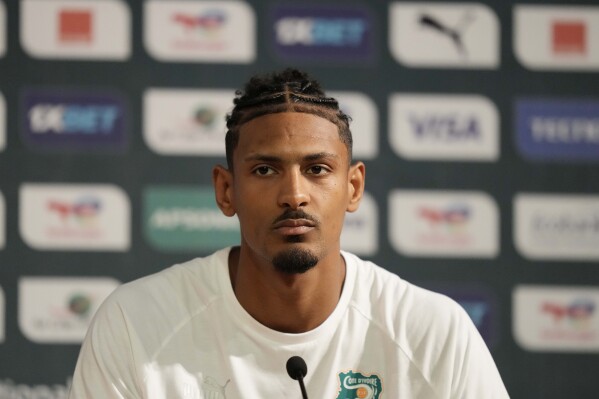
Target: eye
{"points": [[263, 170], [317, 170]]}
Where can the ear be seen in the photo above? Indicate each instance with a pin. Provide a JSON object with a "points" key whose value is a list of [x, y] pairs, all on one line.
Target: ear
{"points": [[355, 186], [222, 180]]}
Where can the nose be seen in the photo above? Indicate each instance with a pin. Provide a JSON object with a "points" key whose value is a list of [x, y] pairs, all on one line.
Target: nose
{"points": [[294, 192]]}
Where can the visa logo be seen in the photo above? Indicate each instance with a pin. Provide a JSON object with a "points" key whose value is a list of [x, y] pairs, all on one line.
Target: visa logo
{"points": [[73, 119], [445, 127]]}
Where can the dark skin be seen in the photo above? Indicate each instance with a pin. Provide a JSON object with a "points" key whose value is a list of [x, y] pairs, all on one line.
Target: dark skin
{"points": [[289, 161]]}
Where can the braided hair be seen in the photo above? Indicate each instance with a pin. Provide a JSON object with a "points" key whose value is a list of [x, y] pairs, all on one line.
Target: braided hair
{"points": [[287, 91]]}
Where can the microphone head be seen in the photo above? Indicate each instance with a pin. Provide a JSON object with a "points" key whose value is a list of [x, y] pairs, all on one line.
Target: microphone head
{"points": [[296, 367]]}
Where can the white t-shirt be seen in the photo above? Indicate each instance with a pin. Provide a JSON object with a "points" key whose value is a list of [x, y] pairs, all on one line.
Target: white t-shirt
{"points": [[181, 333]]}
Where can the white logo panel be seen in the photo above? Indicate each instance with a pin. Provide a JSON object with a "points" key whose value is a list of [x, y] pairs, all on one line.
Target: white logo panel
{"points": [[557, 37], [556, 319], [364, 124], [360, 228], [444, 223], [74, 217], [59, 310], [444, 127], [460, 35], [3, 29], [186, 122], [202, 31], [72, 29], [562, 227]]}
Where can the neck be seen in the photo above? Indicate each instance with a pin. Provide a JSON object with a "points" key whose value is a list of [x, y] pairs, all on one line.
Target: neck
{"points": [[291, 303]]}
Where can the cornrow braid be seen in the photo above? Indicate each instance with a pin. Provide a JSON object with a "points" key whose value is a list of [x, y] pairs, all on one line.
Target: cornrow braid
{"points": [[287, 91]]}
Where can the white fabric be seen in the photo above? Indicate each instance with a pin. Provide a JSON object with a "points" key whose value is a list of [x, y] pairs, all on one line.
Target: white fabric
{"points": [[181, 333]]}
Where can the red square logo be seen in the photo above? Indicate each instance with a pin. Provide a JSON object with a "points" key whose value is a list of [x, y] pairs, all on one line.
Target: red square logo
{"points": [[569, 37], [75, 26]]}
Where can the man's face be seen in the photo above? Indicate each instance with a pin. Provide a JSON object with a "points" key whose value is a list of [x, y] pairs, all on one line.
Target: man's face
{"points": [[291, 186]]}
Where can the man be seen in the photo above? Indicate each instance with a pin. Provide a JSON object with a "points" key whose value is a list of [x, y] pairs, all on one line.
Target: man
{"points": [[224, 326]]}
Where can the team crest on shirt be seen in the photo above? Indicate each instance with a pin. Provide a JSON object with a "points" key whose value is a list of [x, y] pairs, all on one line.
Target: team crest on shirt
{"points": [[359, 386]]}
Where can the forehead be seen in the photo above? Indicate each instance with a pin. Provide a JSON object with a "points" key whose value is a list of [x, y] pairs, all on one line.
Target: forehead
{"points": [[288, 132]]}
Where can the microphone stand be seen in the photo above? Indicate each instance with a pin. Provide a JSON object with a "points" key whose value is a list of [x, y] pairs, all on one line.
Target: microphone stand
{"points": [[302, 387], [297, 369]]}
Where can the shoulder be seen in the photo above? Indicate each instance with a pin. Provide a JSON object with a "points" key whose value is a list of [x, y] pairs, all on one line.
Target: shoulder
{"points": [[172, 293], [431, 330], [405, 311], [135, 321]]}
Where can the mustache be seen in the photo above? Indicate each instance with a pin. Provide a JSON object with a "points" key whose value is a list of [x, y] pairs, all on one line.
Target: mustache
{"points": [[296, 214]]}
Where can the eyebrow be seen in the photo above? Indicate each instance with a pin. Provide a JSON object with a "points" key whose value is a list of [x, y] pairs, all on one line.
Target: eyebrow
{"points": [[320, 155], [309, 157]]}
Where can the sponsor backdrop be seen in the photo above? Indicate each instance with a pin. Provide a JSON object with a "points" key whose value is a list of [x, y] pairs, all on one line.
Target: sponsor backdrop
{"points": [[478, 123]]}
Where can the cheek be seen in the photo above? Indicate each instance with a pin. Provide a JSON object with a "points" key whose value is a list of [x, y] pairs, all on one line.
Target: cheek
{"points": [[337, 196], [245, 196], [251, 208], [335, 214], [334, 189]]}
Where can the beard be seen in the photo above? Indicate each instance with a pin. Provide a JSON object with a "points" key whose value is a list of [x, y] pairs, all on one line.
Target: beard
{"points": [[294, 261]]}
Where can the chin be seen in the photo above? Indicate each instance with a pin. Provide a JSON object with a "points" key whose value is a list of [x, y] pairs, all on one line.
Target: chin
{"points": [[295, 239], [295, 260]]}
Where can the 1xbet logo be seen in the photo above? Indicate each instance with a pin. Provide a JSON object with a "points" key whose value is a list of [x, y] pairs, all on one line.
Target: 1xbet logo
{"points": [[73, 119]]}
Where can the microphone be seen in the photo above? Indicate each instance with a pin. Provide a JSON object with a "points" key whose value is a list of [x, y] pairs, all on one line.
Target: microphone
{"points": [[297, 369]]}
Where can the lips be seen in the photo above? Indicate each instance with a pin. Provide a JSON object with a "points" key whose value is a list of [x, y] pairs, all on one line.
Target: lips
{"points": [[290, 227]]}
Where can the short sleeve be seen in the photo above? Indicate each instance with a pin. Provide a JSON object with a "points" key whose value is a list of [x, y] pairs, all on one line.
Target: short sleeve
{"points": [[106, 367], [475, 373]]}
